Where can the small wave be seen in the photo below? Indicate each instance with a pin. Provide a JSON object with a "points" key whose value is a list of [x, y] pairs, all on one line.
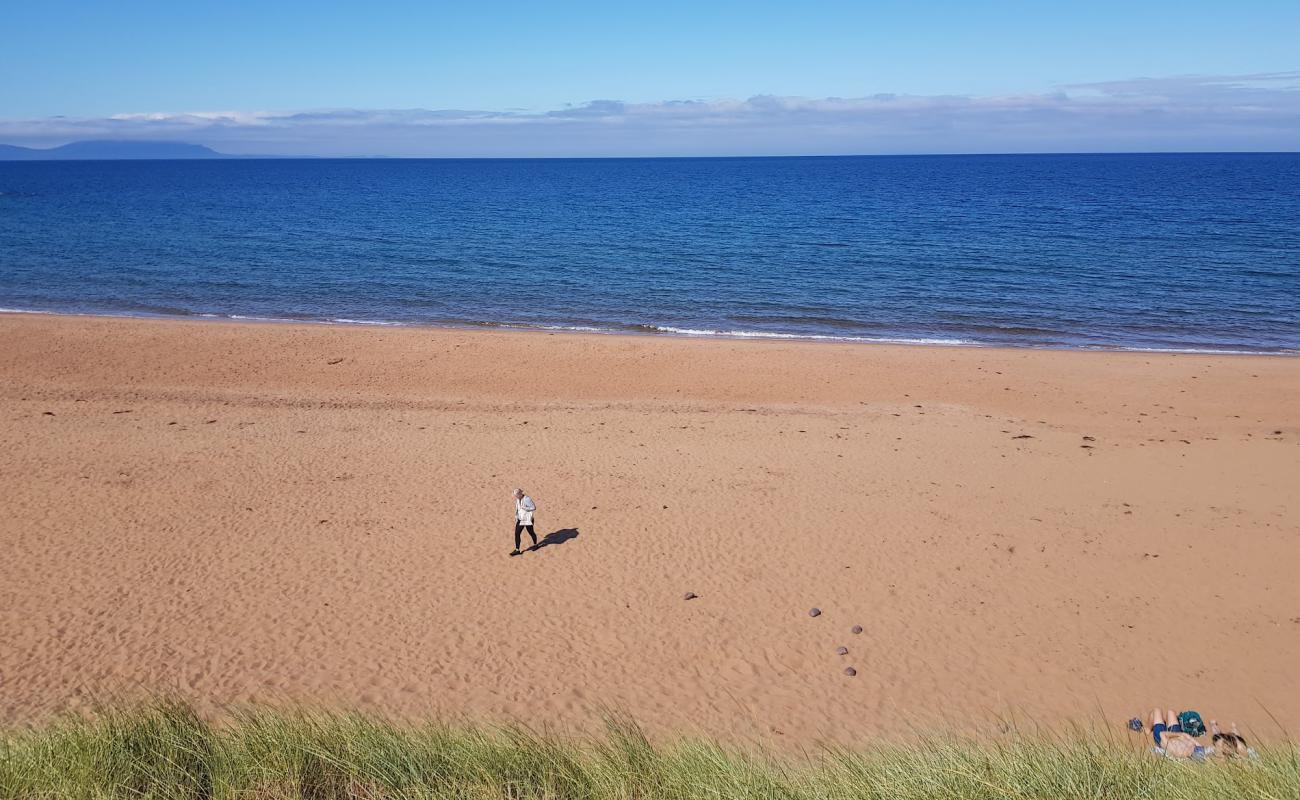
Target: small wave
{"points": [[530, 326], [575, 328], [806, 320], [525, 326], [295, 320], [806, 336], [143, 311], [1014, 330], [384, 322], [153, 310], [1205, 351]]}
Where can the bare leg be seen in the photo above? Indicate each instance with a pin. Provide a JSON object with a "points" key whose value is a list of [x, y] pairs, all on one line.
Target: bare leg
{"points": [[1156, 719], [1171, 719], [1214, 727]]}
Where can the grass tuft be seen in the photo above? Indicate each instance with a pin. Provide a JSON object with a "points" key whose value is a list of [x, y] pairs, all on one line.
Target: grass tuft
{"points": [[165, 750]]}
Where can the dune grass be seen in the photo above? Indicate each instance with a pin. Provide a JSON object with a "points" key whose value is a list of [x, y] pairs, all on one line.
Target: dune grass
{"points": [[165, 750]]}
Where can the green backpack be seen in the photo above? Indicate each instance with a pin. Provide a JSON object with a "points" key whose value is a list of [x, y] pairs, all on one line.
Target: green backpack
{"points": [[1191, 723]]}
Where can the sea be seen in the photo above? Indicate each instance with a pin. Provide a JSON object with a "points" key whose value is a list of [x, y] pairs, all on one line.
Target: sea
{"points": [[1176, 252]]}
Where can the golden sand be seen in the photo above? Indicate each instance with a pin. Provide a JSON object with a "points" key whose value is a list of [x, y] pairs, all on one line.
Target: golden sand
{"points": [[321, 516]]}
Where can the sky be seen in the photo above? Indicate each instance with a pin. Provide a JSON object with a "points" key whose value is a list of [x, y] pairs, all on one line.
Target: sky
{"points": [[494, 78]]}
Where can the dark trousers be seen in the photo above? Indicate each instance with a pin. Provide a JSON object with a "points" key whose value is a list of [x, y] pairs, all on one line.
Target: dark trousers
{"points": [[528, 528]]}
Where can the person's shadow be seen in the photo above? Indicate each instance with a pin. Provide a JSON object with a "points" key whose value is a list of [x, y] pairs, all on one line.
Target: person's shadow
{"points": [[556, 538]]}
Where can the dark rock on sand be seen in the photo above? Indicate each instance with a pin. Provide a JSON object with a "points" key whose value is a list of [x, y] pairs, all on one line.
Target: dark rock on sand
{"points": [[856, 629], [842, 651], [850, 671], [816, 612], [690, 596]]}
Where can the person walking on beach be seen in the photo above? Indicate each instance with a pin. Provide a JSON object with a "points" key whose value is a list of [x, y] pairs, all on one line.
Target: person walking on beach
{"points": [[524, 510]]}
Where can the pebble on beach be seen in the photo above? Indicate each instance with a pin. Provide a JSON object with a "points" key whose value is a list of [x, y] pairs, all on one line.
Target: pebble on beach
{"points": [[842, 651], [856, 629], [690, 596], [816, 612], [850, 671]]}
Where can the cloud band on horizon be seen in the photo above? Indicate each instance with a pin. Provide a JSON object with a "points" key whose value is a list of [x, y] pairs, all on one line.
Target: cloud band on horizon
{"points": [[1239, 112]]}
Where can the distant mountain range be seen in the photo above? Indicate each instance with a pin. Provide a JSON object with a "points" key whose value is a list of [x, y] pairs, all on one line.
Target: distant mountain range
{"points": [[108, 149]]}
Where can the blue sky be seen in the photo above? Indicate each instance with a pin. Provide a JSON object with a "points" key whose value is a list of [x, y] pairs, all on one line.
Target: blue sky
{"points": [[679, 78]]}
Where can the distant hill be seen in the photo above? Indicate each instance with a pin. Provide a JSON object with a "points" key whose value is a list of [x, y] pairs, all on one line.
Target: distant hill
{"points": [[108, 149]]}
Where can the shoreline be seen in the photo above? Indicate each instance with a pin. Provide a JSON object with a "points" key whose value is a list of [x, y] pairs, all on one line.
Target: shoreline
{"points": [[319, 515], [657, 331]]}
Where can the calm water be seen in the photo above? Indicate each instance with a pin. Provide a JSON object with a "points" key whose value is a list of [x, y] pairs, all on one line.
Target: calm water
{"points": [[1133, 251]]}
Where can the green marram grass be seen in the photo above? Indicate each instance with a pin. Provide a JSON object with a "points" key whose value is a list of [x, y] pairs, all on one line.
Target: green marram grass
{"points": [[166, 750]]}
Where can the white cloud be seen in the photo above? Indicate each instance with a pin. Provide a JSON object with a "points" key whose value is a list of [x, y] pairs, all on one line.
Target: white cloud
{"points": [[1242, 112]]}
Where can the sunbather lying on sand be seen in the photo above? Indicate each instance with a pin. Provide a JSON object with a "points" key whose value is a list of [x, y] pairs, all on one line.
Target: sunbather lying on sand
{"points": [[1229, 745], [1170, 738]]}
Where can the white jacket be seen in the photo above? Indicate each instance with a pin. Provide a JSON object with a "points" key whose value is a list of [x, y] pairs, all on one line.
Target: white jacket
{"points": [[524, 508]]}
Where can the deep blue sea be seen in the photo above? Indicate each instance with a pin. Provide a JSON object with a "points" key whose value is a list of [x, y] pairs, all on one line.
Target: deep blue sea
{"points": [[1179, 252]]}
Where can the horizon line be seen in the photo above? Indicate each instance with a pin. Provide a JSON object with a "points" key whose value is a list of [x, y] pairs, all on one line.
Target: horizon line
{"points": [[220, 156]]}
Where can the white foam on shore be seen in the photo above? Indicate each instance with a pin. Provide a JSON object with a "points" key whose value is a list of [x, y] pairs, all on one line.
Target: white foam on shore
{"points": [[812, 336], [574, 328], [1204, 351], [290, 320], [346, 321]]}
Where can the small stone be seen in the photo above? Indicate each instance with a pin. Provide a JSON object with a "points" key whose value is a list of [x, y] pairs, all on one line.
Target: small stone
{"points": [[816, 612], [841, 651], [850, 671], [690, 596], [856, 629]]}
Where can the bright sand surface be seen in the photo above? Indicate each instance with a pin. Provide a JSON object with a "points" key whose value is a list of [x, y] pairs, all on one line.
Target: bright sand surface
{"points": [[321, 516]]}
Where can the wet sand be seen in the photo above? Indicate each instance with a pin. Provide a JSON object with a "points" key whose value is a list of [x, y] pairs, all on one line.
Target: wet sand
{"points": [[321, 516]]}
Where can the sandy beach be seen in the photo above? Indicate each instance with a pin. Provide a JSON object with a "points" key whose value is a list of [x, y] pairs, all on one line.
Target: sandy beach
{"points": [[321, 515]]}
